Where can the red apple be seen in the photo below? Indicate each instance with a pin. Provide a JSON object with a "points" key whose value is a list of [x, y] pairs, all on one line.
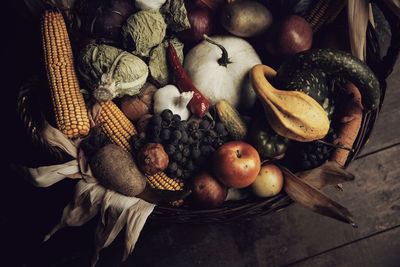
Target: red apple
{"points": [[236, 164], [207, 191]]}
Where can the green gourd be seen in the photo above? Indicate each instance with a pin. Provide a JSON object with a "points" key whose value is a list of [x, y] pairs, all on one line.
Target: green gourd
{"points": [[312, 71]]}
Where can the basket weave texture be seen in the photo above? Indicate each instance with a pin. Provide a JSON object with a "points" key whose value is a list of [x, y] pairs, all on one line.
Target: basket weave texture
{"points": [[322, 14]]}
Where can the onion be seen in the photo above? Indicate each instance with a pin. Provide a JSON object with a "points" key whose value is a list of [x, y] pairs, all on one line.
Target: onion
{"points": [[200, 18], [109, 18]]}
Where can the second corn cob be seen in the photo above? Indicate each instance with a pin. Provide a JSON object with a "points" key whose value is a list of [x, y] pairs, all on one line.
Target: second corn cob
{"points": [[69, 106], [116, 125]]}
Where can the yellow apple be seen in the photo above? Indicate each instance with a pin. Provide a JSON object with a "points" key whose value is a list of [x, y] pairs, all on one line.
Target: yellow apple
{"points": [[269, 181]]}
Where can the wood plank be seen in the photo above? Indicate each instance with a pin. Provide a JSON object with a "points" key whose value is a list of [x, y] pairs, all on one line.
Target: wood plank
{"points": [[377, 250]]}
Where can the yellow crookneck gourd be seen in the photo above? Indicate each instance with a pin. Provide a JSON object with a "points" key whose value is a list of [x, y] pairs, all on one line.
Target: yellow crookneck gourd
{"points": [[291, 114]]}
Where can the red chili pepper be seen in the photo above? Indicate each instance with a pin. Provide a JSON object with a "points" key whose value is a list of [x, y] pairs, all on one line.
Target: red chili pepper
{"points": [[199, 104]]}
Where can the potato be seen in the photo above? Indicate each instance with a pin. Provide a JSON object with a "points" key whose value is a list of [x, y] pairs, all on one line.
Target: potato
{"points": [[115, 169], [246, 18]]}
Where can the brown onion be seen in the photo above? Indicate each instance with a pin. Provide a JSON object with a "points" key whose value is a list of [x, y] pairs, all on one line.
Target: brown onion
{"points": [[136, 106], [200, 18]]}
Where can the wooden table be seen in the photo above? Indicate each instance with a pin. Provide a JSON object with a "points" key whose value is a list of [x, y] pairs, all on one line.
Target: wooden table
{"points": [[293, 236]]}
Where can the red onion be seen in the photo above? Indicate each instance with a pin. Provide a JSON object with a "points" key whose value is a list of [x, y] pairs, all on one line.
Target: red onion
{"points": [[109, 18], [201, 22]]}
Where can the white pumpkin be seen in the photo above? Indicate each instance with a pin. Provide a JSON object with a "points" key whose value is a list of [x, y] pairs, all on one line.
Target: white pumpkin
{"points": [[204, 66]]}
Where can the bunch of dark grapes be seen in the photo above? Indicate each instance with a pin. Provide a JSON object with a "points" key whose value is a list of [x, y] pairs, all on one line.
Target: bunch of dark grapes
{"points": [[309, 155], [189, 145]]}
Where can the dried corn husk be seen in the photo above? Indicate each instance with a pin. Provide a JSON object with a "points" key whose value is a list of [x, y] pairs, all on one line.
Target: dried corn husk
{"points": [[77, 168], [329, 173], [85, 205], [119, 211], [358, 15], [313, 199]]}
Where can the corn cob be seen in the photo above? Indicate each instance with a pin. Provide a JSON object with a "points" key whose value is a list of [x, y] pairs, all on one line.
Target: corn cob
{"points": [[162, 181], [116, 125], [68, 103]]}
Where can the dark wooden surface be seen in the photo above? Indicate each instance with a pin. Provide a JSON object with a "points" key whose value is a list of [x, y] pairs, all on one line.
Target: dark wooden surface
{"points": [[293, 236]]}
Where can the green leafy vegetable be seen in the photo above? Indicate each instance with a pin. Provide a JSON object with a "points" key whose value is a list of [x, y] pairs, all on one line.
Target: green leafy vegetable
{"points": [[175, 15], [158, 62], [142, 31], [111, 72]]}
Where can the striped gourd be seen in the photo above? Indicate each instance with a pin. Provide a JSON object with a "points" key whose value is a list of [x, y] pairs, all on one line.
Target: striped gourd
{"points": [[68, 103]]}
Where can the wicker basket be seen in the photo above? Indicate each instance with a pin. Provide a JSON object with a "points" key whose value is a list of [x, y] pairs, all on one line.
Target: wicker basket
{"points": [[323, 13]]}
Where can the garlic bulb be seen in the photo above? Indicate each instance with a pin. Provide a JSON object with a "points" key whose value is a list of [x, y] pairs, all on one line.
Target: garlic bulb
{"points": [[169, 97], [149, 4]]}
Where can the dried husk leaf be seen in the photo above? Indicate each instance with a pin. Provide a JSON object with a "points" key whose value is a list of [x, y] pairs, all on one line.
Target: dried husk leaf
{"points": [[357, 15], [86, 204], [329, 173], [119, 211], [313, 199]]}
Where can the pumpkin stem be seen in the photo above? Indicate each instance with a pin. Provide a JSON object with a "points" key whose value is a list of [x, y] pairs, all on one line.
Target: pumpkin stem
{"points": [[224, 60]]}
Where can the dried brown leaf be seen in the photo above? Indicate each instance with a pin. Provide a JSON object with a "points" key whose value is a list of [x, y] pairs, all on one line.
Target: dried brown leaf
{"points": [[313, 199], [329, 173]]}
